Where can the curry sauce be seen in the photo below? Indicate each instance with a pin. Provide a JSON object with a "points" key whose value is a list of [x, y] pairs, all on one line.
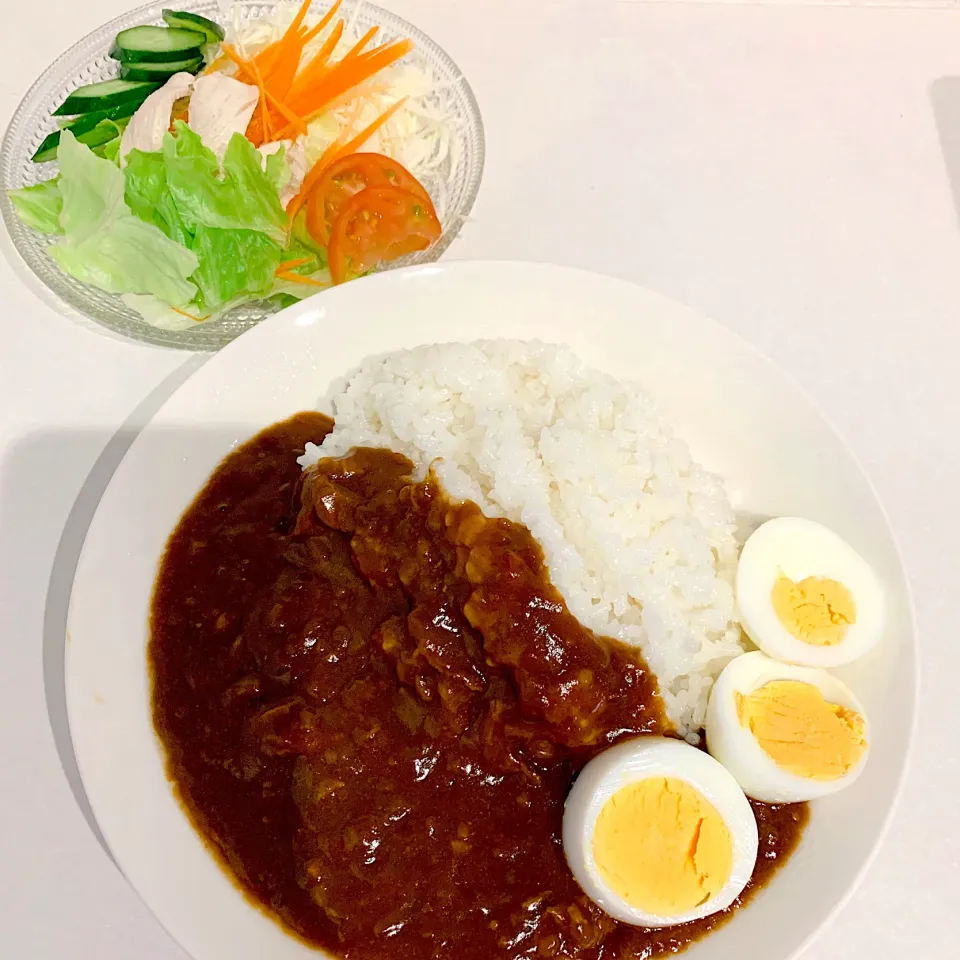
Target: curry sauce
{"points": [[373, 704]]}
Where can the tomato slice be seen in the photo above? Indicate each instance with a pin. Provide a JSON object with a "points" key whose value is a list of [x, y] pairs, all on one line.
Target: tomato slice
{"points": [[348, 176], [377, 225]]}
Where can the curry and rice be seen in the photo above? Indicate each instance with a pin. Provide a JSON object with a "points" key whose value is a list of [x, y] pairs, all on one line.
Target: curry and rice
{"points": [[465, 671]]}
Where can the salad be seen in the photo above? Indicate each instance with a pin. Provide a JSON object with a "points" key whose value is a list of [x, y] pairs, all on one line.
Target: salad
{"points": [[259, 159]]}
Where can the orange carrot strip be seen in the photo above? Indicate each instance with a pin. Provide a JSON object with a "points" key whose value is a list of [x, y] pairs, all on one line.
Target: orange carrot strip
{"points": [[290, 264], [183, 313], [316, 69], [314, 31], [299, 278], [340, 79], [290, 46], [292, 119], [264, 116], [362, 92], [308, 80], [242, 65], [327, 17], [283, 63], [267, 58], [294, 27], [317, 66], [334, 152], [357, 48]]}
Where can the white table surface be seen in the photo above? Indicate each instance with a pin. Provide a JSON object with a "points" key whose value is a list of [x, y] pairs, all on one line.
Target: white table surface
{"points": [[780, 166]]}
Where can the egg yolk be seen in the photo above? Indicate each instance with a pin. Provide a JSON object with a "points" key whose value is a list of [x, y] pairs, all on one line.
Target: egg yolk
{"points": [[661, 846], [802, 732], [815, 610]]}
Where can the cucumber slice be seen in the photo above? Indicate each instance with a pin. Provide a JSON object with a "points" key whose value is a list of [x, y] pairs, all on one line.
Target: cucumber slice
{"points": [[159, 72], [86, 129], [97, 137], [157, 45], [103, 95], [193, 21]]}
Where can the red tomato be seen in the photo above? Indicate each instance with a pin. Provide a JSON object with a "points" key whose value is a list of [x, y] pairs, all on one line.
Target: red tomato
{"points": [[348, 176], [379, 224]]}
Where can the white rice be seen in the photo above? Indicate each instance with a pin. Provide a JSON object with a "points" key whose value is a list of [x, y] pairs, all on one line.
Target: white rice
{"points": [[638, 537]]}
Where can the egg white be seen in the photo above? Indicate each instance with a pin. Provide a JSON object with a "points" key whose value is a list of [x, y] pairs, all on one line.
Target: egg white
{"points": [[738, 750], [797, 548], [636, 760]]}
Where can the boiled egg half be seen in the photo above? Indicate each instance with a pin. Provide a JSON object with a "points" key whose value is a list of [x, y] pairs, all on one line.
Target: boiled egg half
{"points": [[656, 833], [786, 733], [806, 596]]}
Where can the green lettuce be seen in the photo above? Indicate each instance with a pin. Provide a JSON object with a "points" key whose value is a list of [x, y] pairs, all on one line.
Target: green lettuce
{"points": [[146, 194], [39, 206], [111, 149], [104, 243], [302, 244], [92, 190], [277, 169], [233, 263], [175, 227], [130, 256], [243, 197]]}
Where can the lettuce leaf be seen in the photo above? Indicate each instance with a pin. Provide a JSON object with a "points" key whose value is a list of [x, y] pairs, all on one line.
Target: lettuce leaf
{"points": [[147, 195], [233, 263], [92, 190], [130, 256], [302, 244], [243, 198], [39, 206], [161, 315], [104, 244], [277, 169], [109, 151]]}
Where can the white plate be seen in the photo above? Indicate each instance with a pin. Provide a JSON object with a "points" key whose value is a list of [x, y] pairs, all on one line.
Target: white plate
{"points": [[742, 417]]}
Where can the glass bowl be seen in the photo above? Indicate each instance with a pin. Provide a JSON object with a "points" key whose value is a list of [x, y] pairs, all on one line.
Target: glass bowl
{"points": [[88, 61]]}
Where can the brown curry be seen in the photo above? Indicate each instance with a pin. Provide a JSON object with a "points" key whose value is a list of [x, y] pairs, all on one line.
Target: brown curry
{"points": [[373, 704]]}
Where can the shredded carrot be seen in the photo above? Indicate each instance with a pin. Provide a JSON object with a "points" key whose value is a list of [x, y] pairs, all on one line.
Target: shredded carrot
{"points": [[264, 113], [291, 264], [243, 65], [317, 66], [268, 56], [297, 22], [183, 313], [286, 52], [327, 17], [345, 76], [357, 48], [290, 97], [317, 29], [298, 278], [292, 119], [334, 152], [250, 71], [359, 96]]}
